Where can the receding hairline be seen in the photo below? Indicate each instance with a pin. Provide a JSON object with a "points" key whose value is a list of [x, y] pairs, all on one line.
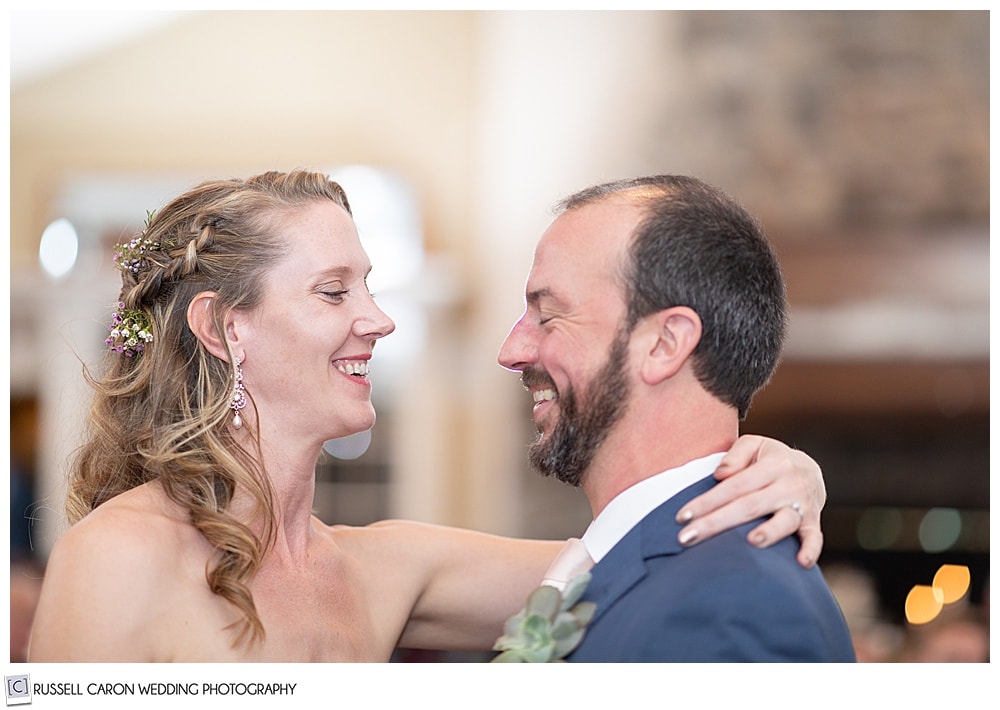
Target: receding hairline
{"points": [[639, 192]]}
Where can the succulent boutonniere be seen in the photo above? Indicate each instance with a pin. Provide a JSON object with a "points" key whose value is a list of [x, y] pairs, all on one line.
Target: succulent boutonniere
{"points": [[550, 626]]}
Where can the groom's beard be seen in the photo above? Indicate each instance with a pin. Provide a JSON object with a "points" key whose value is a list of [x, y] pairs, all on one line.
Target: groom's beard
{"points": [[582, 426]]}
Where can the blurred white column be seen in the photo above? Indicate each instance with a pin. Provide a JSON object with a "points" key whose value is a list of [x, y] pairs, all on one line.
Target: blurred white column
{"points": [[71, 327], [561, 107]]}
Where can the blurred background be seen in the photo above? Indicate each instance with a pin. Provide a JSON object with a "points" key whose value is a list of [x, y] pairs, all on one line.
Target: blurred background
{"points": [[860, 139]]}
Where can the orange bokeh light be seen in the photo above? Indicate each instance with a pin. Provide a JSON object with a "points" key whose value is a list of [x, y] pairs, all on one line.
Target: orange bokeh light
{"points": [[953, 581], [923, 604]]}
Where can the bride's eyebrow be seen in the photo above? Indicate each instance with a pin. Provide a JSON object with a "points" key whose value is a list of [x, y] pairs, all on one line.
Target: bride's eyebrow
{"points": [[343, 270], [334, 272]]}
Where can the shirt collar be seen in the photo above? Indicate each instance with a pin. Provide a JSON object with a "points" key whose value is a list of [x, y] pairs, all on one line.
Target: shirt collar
{"points": [[636, 502]]}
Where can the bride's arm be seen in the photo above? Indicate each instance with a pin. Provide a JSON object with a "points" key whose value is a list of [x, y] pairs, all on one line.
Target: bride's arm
{"points": [[461, 585], [473, 582]]}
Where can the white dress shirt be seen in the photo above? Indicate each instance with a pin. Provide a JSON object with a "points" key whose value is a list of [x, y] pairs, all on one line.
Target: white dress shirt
{"points": [[633, 504]]}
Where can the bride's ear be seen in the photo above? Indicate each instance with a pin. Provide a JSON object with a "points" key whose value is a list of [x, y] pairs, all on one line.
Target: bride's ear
{"points": [[201, 318]]}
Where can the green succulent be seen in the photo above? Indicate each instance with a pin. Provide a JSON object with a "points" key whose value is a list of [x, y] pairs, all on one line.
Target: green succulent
{"points": [[549, 627]]}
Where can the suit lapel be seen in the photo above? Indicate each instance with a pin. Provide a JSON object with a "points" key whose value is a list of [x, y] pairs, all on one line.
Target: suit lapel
{"points": [[625, 565], [614, 575]]}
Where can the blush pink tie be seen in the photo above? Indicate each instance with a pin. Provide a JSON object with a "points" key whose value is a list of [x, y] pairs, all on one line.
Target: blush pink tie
{"points": [[571, 561]]}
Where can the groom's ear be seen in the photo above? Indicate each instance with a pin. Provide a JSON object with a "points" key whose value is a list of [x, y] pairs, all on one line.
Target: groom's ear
{"points": [[672, 335]]}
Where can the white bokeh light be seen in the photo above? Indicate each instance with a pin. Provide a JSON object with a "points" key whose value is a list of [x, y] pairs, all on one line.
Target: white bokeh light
{"points": [[58, 249], [349, 447]]}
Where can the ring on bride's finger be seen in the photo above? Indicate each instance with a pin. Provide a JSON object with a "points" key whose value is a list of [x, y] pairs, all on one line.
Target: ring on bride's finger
{"points": [[794, 505]]}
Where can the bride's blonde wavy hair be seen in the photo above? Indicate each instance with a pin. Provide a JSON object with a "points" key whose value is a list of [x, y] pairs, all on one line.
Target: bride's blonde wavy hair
{"points": [[163, 415]]}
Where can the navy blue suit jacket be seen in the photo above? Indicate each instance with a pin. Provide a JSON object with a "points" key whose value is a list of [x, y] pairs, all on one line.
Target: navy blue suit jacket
{"points": [[721, 600]]}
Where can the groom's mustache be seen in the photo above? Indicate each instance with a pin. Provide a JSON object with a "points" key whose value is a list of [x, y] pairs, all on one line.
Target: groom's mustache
{"points": [[533, 376]]}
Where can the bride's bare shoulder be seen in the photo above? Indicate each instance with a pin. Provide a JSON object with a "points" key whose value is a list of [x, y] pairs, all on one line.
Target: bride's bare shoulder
{"points": [[139, 527], [107, 577]]}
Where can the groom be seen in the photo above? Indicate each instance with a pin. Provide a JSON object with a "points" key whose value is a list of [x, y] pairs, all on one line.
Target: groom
{"points": [[655, 311]]}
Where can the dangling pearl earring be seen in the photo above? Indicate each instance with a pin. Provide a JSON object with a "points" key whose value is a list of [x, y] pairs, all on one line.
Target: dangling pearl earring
{"points": [[239, 398]]}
